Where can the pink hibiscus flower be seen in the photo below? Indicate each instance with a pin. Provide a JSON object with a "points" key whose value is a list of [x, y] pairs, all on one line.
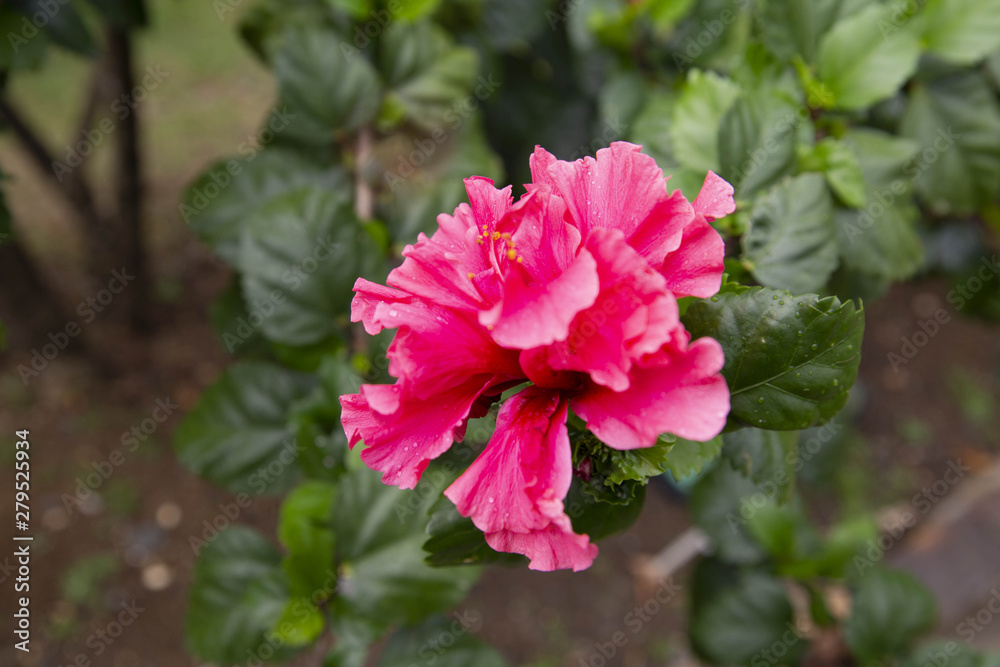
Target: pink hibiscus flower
{"points": [[572, 288]]}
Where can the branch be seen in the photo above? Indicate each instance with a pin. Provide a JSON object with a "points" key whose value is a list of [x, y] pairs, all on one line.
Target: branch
{"points": [[73, 188]]}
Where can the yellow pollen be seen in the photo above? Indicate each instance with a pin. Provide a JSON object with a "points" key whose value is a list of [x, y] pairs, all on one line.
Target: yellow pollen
{"points": [[520, 260], [511, 254], [471, 275]]}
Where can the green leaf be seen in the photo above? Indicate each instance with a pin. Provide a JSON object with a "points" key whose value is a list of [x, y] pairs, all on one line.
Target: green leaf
{"points": [[455, 540], [791, 242], [219, 203], [440, 641], [428, 75], [882, 239], [304, 528], [237, 597], [790, 361], [737, 614], [600, 519], [766, 457], [794, 27], [956, 122], [835, 160], [411, 10], [238, 434], [688, 457], [421, 193], [890, 611], [703, 102], [380, 532], [301, 254], [865, 59], [357, 9], [962, 32], [652, 128], [63, 24], [16, 51], [328, 86], [757, 140], [722, 502], [122, 13]]}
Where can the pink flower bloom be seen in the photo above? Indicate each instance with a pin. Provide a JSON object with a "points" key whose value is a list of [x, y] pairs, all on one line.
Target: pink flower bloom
{"points": [[574, 288]]}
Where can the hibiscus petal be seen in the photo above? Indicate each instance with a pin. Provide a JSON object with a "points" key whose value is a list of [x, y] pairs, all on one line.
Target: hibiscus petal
{"points": [[403, 433], [514, 491], [715, 200], [367, 297], [696, 267], [438, 268], [617, 190], [437, 348], [678, 391], [539, 313], [633, 315]]}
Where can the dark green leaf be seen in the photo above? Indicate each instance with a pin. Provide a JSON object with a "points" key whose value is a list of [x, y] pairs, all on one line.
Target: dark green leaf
{"points": [[445, 642], [742, 616], [600, 519], [881, 239], [891, 610], [704, 101], [794, 27], [238, 434], [328, 85], [220, 202], [865, 58], [835, 160], [722, 502], [956, 122], [791, 242], [766, 457], [429, 75], [237, 596], [455, 540], [380, 532], [304, 528], [962, 31], [757, 140], [301, 254], [790, 361], [63, 24]]}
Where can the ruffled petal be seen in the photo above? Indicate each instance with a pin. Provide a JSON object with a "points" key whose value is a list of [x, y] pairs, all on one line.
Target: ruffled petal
{"points": [[633, 315], [367, 297], [715, 200], [514, 491], [437, 348], [439, 268], [403, 433], [679, 390], [616, 190], [696, 267]]}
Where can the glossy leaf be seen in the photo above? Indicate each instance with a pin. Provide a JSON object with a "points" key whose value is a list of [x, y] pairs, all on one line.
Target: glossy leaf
{"points": [[791, 242], [790, 361], [956, 122], [238, 434], [891, 610], [862, 62], [327, 84], [237, 596], [301, 254]]}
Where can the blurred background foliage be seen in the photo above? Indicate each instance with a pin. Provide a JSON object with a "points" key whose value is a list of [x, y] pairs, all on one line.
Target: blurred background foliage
{"points": [[316, 138]]}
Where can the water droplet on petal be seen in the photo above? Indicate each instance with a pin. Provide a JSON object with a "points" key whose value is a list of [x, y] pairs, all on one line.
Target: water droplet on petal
{"points": [[490, 499]]}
